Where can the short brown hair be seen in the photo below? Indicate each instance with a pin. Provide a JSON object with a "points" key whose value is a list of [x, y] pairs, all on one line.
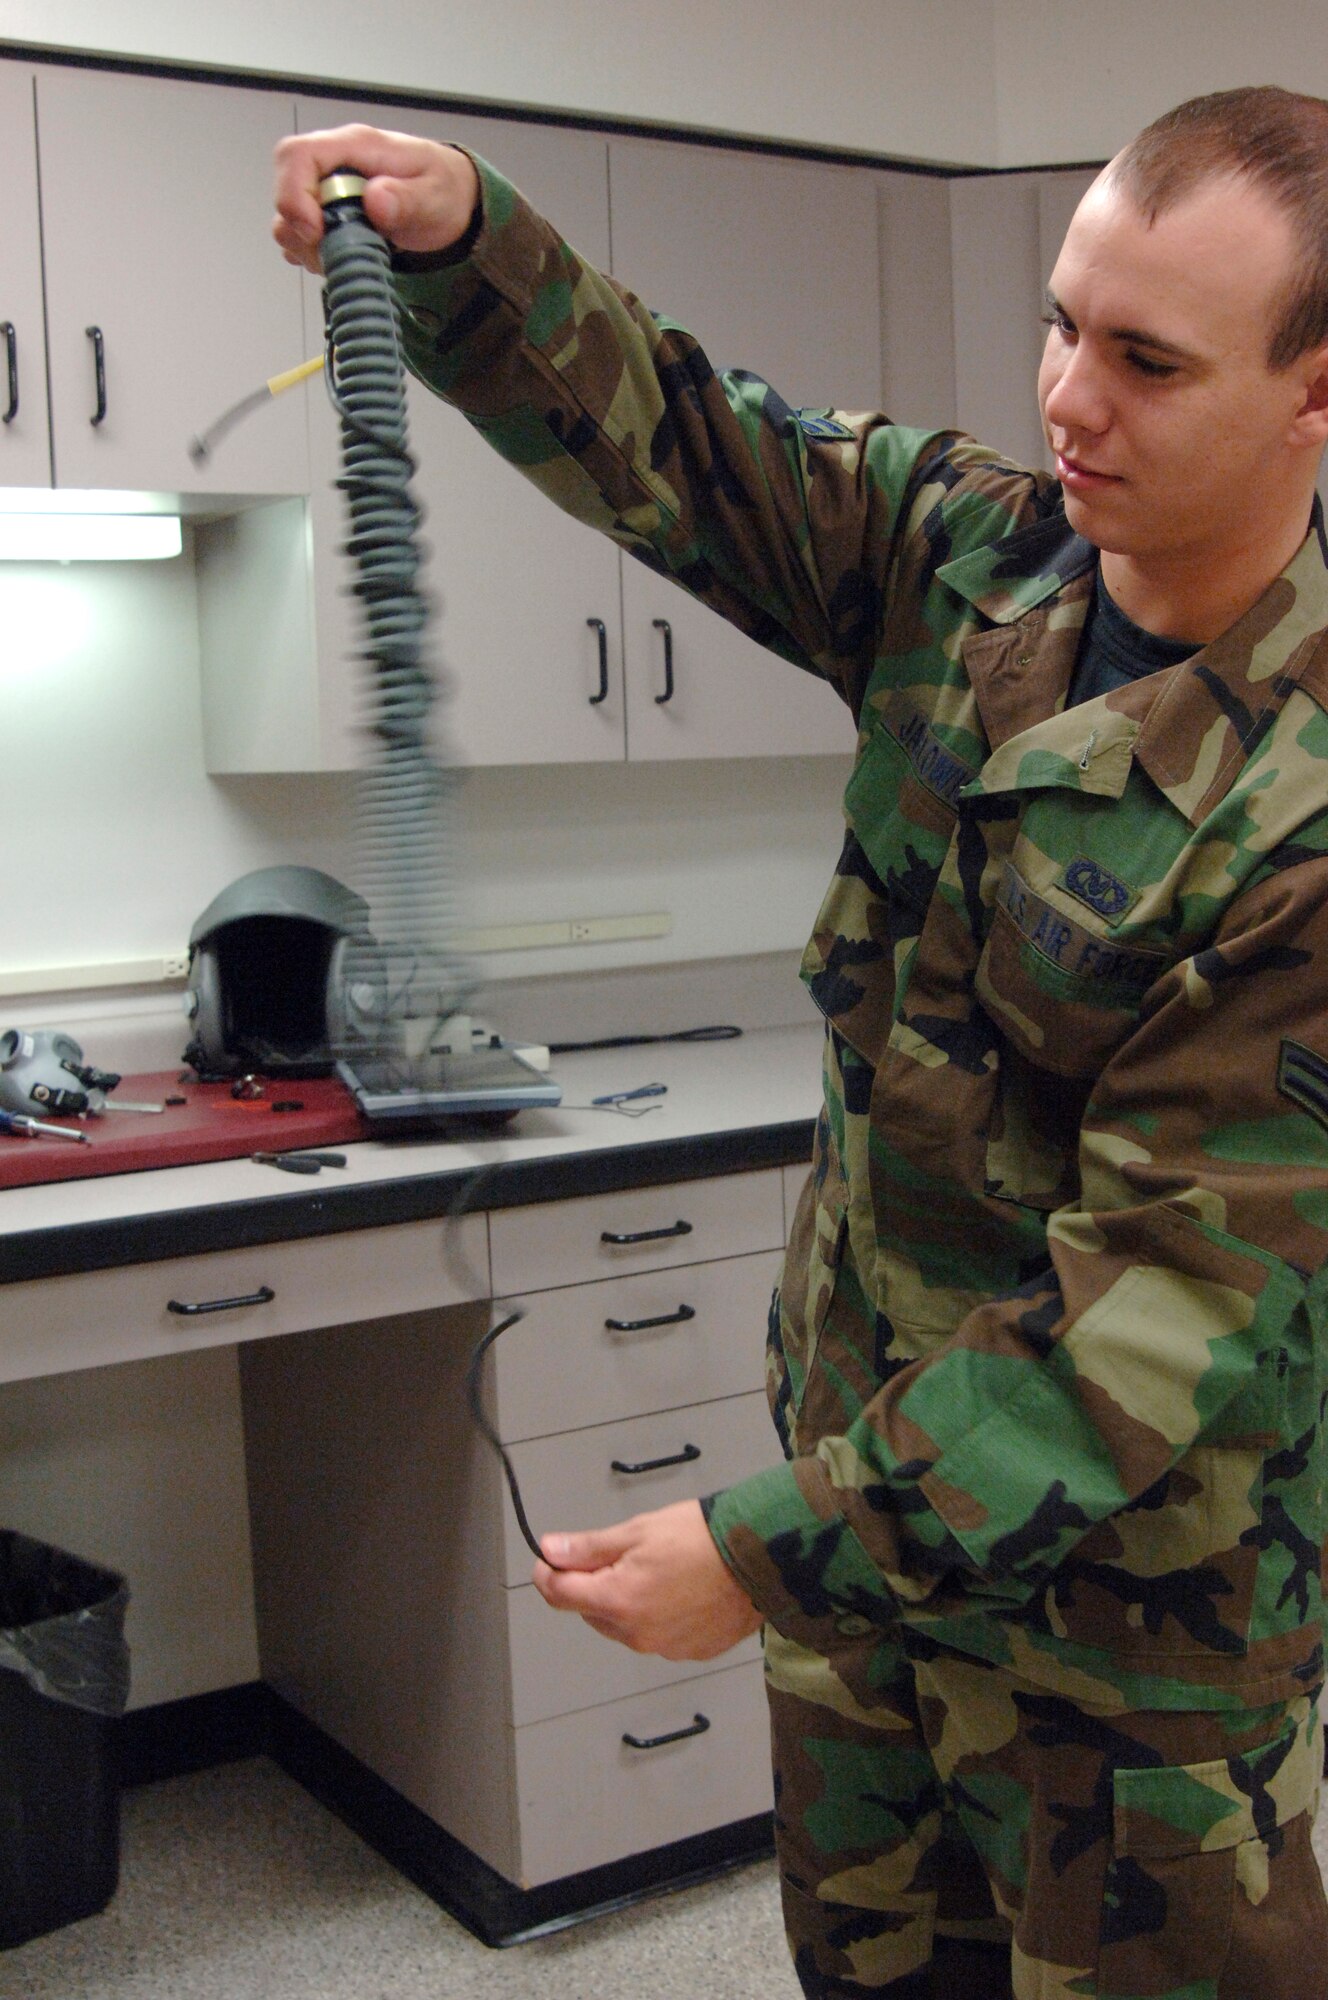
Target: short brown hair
{"points": [[1277, 140]]}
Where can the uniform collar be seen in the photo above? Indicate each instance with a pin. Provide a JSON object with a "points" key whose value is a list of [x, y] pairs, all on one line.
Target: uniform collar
{"points": [[1012, 576], [1192, 726], [1203, 720]]}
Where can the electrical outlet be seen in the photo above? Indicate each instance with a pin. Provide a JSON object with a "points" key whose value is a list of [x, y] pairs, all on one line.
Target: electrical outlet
{"points": [[175, 965]]}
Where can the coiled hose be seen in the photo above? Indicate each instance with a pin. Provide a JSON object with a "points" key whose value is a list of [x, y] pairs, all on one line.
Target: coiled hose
{"points": [[405, 980]]}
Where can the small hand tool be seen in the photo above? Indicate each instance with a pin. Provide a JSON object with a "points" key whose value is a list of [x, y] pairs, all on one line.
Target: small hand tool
{"points": [[625, 1096], [33, 1128], [299, 1163]]}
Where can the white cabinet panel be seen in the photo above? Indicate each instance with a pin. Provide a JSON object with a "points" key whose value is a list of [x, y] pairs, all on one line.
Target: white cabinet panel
{"points": [[156, 210], [132, 1313], [25, 446], [559, 1664], [773, 265], [627, 1799], [634, 1229], [590, 1354]]}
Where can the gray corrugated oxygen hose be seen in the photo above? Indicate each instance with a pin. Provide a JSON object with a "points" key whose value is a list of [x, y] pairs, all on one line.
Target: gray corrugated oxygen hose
{"points": [[408, 979]]}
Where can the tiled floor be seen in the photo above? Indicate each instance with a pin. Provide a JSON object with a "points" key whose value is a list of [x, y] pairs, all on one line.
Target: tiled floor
{"points": [[237, 1886]]}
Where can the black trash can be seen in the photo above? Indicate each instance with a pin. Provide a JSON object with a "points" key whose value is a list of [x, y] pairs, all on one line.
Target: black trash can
{"points": [[64, 1681]]}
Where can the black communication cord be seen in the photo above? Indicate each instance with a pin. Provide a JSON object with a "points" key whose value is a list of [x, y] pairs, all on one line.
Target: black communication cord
{"points": [[718, 1033]]}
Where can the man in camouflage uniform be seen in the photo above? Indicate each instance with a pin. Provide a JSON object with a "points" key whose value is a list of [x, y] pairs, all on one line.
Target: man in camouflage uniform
{"points": [[1040, 1575]]}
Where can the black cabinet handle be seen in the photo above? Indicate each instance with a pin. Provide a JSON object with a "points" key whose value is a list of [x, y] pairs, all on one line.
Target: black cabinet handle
{"points": [[263, 1296], [645, 1235], [683, 1457], [663, 625], [644, 1325], [696, 1727], [94, 334], [11, 362], [597, 627]]}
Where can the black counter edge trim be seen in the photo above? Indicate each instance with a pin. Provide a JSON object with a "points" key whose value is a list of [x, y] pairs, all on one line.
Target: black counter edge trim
{"points": [[177, 1738], [330, 1210]]}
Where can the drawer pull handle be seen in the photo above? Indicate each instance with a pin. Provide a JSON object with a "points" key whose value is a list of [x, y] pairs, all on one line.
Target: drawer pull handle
{"points": [[602, 647], [645, 1235], [98, 340], [263, 1296], [697, 1727], [663, 625], [644, 1325], [683, 1457], [11, 365]]}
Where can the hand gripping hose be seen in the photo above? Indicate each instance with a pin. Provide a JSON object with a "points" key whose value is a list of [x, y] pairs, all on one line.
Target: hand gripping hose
{"points": [[402, 983]]}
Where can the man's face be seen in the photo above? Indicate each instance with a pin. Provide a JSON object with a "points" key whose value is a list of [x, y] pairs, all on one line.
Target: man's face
{"points": [[1172, 437]]}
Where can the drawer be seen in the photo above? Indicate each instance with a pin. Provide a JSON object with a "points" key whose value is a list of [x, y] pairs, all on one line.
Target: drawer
{"points": [[584, 1796], [83, 1321], [570, 1482], [685, 1222], [558, 1664], [592, 1354]]}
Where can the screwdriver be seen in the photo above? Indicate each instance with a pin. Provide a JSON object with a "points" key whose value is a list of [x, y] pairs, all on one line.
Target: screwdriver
{"points": [[32, 1128]]}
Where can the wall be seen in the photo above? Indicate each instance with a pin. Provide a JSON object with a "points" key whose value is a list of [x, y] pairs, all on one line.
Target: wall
{"points": [[117, 838], [1073, 82], [976, 82], [862, 74]]}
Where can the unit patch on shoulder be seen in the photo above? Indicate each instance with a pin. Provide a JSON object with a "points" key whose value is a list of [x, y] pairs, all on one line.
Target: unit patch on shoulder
{"points": [[821, 426], [1099, 890], [1303, 1077]]}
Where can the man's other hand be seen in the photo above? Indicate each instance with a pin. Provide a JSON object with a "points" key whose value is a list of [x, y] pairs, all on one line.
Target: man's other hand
{"points": [[656, 1583], [421, 196]]}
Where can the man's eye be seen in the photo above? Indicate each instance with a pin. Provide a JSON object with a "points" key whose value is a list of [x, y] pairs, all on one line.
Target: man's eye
{"points": [[1062, 325], [1144, 364]]}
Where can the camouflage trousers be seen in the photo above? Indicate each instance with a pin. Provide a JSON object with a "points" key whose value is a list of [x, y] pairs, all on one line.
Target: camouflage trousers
{"points": [[1127, 1856]]}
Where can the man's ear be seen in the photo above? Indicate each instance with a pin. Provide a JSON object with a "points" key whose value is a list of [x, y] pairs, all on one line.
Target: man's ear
{"points": [[1311, 419]]}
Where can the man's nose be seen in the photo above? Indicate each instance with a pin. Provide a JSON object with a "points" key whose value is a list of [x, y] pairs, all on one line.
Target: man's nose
{"points": [[1075, 393]]}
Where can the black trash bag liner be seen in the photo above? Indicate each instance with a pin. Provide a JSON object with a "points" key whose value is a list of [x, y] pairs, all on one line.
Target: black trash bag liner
{"points": [[62, 1625]]}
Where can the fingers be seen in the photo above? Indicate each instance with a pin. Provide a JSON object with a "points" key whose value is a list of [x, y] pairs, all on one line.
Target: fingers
{"points": [[593, 1549], [421, 195]]}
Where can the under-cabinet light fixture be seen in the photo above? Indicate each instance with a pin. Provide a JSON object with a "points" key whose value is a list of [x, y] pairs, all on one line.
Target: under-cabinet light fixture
{"points": [[65, 538]]}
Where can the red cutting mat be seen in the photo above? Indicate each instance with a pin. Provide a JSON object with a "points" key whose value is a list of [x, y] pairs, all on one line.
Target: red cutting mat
{"points": [[209, 1125]]}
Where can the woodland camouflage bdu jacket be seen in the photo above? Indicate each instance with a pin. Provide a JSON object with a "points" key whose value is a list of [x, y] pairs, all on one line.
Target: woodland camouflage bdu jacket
{"points": [[1047, 1352]]}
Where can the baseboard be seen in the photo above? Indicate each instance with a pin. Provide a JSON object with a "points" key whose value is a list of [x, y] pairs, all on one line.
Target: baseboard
{"points": [[174, 1738], [249, 1721]]}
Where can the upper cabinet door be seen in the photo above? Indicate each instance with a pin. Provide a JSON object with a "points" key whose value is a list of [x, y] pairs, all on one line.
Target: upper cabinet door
{"points": [[25, 452], [772, 264], [529, 599], [157, 206]]}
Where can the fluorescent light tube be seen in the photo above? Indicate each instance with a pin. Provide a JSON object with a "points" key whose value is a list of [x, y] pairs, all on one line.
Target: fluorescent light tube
{"points": [[88, 537]]}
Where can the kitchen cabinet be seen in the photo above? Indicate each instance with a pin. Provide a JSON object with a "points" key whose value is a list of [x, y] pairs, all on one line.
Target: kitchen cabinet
{"points": [[25, 443], [772, 264], [164, 300], [394, 1609]]}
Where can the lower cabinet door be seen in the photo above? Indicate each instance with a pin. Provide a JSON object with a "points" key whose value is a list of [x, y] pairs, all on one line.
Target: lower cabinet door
{"points": [[617, 1780]]}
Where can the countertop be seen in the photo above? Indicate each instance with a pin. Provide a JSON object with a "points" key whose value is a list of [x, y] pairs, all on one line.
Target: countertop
{"points": [[728, 1107]]}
